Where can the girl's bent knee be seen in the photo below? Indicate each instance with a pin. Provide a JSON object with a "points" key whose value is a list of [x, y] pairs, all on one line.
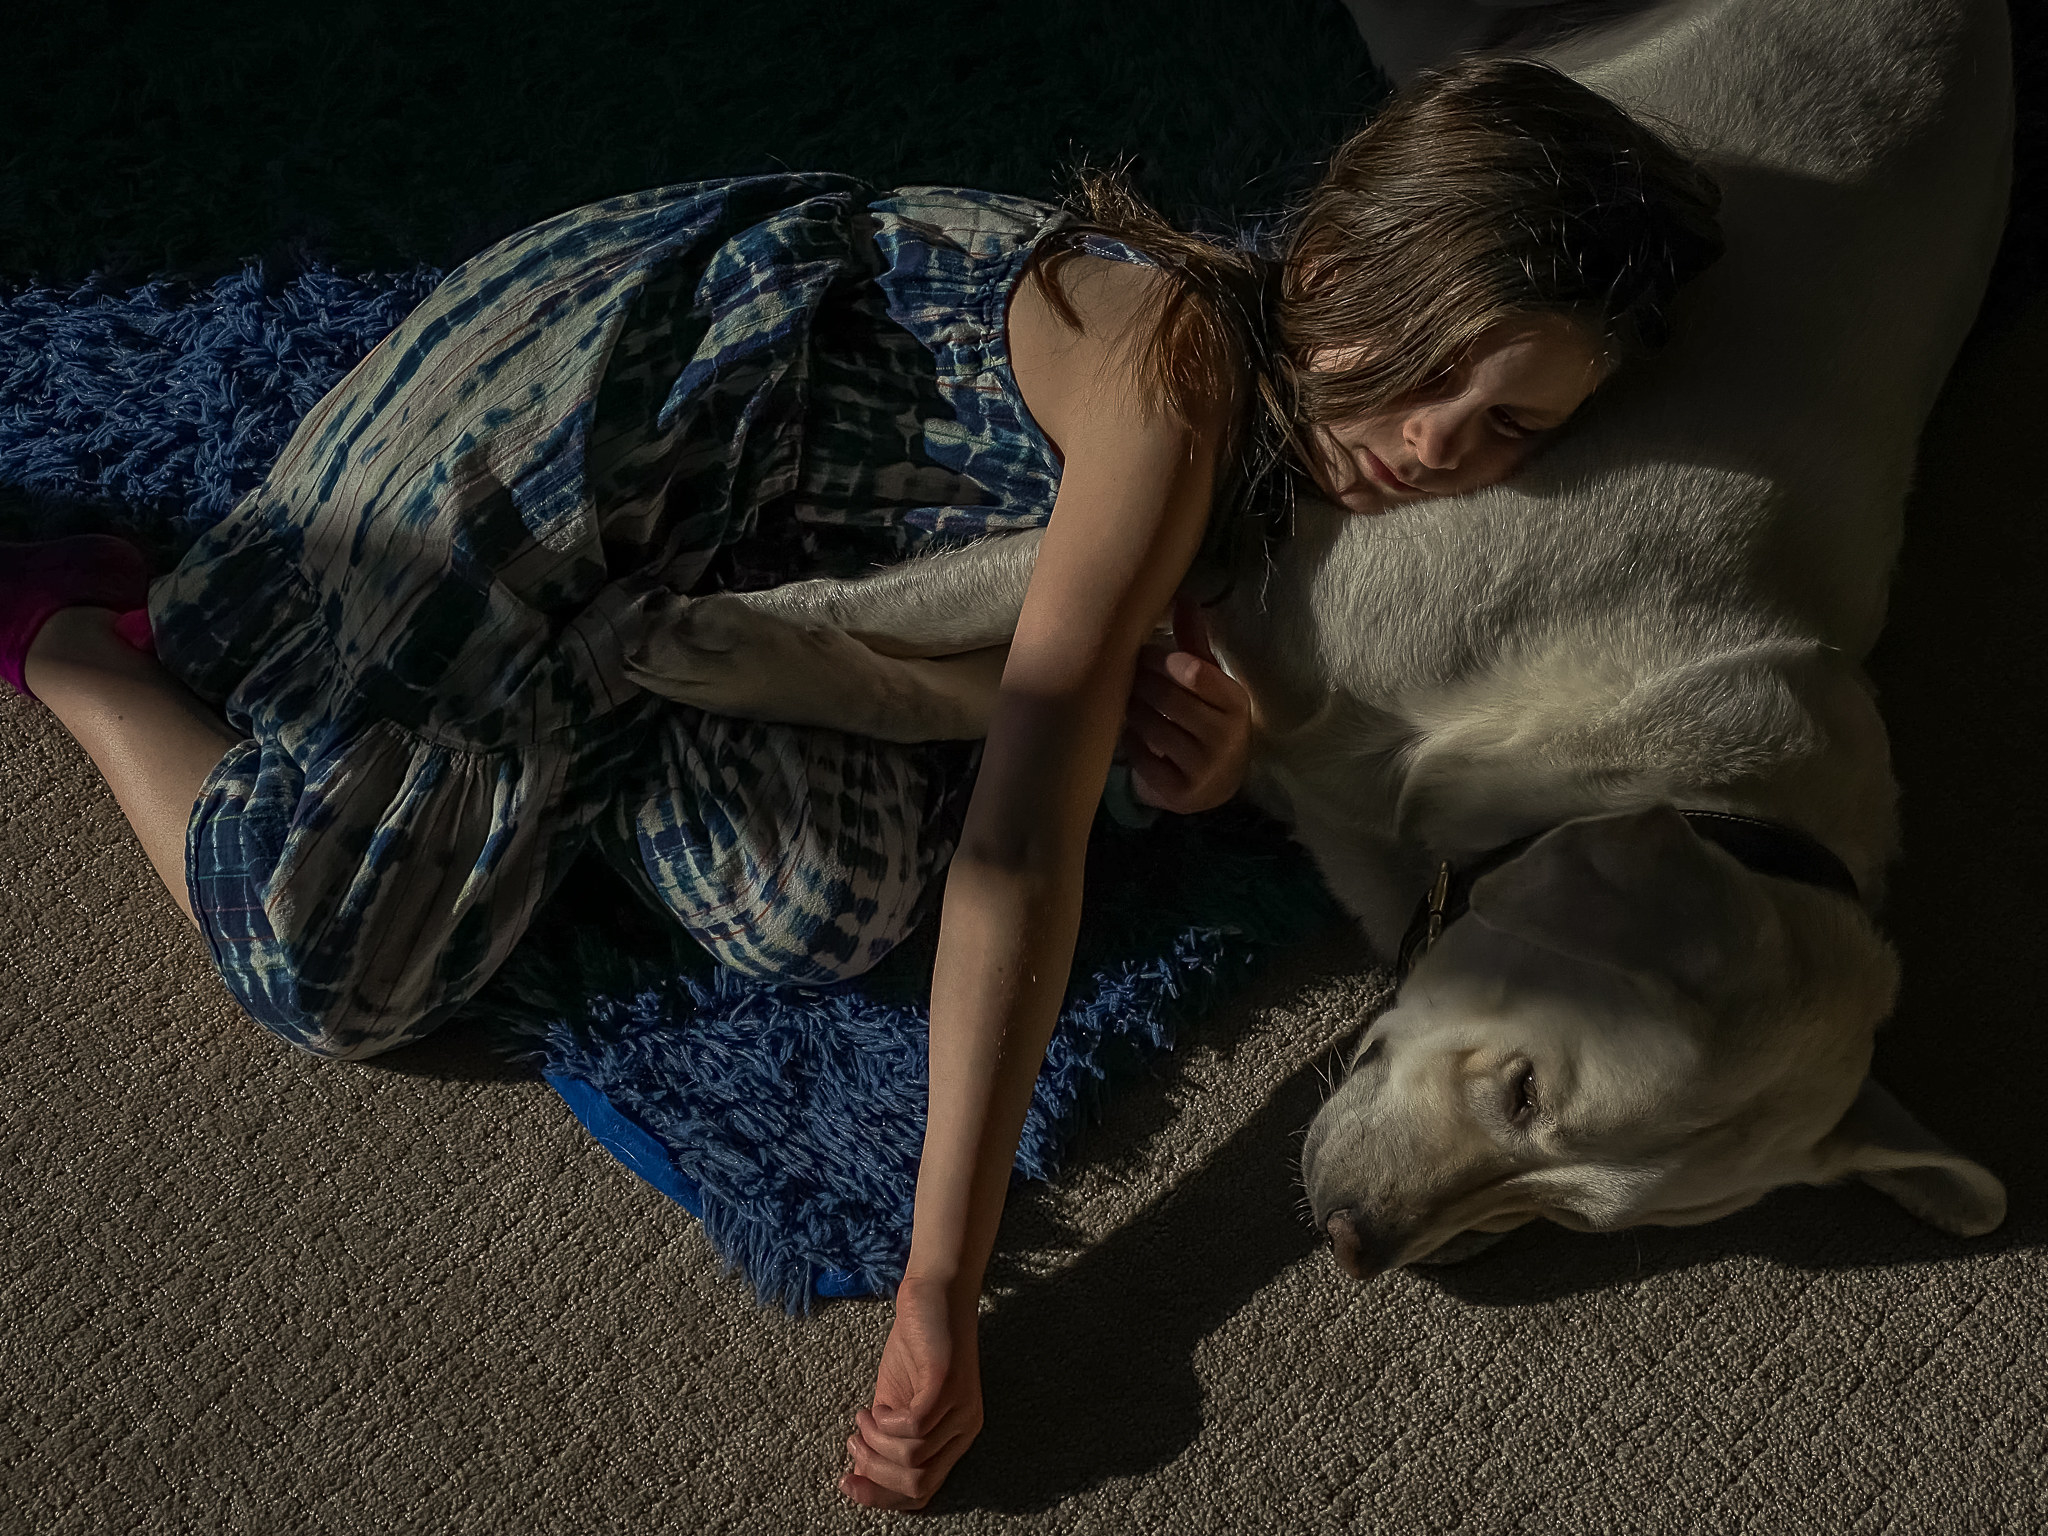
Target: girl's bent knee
{"points": [[329, 1049], [341, 1031]]}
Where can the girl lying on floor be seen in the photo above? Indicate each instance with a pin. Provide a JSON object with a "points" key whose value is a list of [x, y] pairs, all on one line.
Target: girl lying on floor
{"points": [[388, 705]]}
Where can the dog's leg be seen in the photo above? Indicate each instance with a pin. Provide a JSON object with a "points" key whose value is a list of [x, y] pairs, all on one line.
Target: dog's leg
{"points": [[725, 654], [965, 599], [911, 653]]}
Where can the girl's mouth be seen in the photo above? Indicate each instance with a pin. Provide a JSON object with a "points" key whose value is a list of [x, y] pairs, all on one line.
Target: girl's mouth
{"points": [[1377, 467]]}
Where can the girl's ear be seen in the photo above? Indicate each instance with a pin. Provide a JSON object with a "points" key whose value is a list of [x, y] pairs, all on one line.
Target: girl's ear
{"points": [[1879, 1142]]}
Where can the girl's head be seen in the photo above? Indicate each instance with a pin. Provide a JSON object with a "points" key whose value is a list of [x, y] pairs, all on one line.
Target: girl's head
{"points": [[1472, 267]]}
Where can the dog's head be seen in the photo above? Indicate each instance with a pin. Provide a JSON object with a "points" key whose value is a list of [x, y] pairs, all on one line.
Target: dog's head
{"points": [[1628, 1027]]}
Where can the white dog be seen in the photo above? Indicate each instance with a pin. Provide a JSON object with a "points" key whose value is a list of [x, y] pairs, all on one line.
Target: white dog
{"points": [[1511, 697]]}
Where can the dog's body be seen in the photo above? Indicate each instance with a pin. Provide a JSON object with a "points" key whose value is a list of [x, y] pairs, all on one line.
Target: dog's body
{"points": [[1667, 610]]}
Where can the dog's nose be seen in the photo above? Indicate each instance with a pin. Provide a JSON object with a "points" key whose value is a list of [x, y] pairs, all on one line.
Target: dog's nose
{"points": [[1359, 1254]]}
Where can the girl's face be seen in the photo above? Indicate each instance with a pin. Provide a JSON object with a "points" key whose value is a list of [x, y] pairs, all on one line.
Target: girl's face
{"points": [[1473, 427]]}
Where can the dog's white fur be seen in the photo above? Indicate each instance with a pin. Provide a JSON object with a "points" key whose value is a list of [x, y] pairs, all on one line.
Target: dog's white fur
{"points": [[1668, 609]]}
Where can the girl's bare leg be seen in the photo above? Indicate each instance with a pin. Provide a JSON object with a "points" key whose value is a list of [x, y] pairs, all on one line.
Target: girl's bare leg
{"points": [[151, 738]]}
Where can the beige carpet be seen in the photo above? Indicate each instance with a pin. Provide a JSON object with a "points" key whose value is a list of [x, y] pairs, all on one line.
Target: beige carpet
{"points": [[247, 1291]]}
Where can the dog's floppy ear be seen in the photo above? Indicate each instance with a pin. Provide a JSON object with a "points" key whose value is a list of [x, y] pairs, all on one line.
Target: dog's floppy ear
{"points": [[1881, 1143], [1638, 891]]}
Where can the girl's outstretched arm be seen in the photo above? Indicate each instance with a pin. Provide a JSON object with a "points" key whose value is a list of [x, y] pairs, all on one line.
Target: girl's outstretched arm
{"points": [[1133, 501]]}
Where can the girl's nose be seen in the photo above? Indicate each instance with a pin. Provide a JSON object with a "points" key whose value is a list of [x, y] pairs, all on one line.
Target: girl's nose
{"points": [[1434, 438]]}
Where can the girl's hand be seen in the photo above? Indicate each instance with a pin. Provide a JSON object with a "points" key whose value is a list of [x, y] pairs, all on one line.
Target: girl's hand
{"points": [[927, 1407], [1188, 730]]}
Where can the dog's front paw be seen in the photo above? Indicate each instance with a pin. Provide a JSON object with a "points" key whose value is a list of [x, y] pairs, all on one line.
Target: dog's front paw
{"points": [[721, 654]]}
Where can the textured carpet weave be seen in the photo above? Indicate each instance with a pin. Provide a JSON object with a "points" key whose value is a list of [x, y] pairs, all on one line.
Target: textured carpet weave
{"points": [[791, 1119]]}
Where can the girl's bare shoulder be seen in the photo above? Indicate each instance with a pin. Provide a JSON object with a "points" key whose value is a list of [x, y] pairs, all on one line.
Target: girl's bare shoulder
{"points": [[1081, 372]]}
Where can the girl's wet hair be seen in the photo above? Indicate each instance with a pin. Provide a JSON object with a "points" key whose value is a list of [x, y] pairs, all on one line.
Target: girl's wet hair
{"points": [[1492, 189]]}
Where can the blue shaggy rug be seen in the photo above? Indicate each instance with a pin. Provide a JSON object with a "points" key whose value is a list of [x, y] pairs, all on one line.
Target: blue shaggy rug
{"points": [[787, 1119]]}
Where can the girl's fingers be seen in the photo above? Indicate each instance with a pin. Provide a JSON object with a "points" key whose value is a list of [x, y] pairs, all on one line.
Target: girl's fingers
{"points": [[1160, 695], [1157, 695], [920, 1421], [870, 1450], [904, 1485], [1156, 779], [1191, 628], [1163, 738], [1157, 782], [1208, 682], [909, 1450], [866, 1491], [1202, 680]]}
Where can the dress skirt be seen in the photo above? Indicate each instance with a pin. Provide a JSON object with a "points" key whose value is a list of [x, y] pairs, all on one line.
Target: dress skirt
{"points": [[419, 619]]}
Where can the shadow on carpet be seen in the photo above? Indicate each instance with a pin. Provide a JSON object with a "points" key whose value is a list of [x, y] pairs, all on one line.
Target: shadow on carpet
{"points": [[789, 1119]]}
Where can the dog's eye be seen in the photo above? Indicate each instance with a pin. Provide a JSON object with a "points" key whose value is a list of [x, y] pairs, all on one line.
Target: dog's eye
{"points": [[1522, 1104]]}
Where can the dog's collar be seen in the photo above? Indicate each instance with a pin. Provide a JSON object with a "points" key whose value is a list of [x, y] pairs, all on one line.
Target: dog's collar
{"points": [[1768, 847]]}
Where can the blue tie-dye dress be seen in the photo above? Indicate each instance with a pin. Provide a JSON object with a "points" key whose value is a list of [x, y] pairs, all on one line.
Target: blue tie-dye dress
{"points": [[419, 619]]}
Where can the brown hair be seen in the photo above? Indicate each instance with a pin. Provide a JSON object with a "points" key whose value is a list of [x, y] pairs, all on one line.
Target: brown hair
{"points": [[1491, 189]]}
